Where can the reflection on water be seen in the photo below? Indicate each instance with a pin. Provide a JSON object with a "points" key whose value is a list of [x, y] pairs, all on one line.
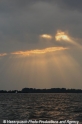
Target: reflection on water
{"points": [[41, 106]]}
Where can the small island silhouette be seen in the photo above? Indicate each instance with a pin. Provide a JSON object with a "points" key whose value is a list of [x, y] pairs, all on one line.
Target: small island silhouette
{"points": [[52, 90]]}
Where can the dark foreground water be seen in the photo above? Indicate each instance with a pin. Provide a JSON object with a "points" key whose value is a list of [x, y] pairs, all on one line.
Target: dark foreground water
{"points": [[63, 106]]}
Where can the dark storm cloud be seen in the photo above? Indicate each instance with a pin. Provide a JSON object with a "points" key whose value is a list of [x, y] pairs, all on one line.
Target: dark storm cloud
{"points": [[68, 4], [10, 6], [22, 21], [73, 4]]}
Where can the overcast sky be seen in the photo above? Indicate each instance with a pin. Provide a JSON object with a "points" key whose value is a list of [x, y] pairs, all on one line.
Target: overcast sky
{"points": [[30, 55]]}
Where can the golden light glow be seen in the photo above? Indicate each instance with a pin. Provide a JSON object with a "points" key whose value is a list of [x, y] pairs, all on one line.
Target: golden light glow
{"points": [[61, 36], [37, 51], [46, 36], [3, 54], [64, 36]]}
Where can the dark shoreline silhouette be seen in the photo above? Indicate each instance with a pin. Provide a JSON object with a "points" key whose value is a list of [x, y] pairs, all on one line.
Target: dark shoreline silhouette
{"points": [[52, 90]]}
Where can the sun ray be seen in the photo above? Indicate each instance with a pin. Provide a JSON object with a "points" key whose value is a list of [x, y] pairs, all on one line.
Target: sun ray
{"points": [[48, 70], [67, 68]]}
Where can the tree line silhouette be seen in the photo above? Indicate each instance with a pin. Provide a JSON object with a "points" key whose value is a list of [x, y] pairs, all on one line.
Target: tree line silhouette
{"points": [[52, 90]]}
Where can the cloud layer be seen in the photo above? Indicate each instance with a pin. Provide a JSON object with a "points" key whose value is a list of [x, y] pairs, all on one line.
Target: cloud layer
{"points": [[42, 51]]}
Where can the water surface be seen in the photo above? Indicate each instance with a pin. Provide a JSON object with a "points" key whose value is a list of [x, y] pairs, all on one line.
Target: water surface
{"points": [[49, 106]]}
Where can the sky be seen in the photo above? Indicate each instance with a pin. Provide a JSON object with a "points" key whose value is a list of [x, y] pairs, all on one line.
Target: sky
{"points": [[40, 44]]}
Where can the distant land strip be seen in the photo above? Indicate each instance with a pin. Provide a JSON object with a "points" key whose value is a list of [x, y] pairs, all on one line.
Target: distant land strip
{"points": [[52, 90]]}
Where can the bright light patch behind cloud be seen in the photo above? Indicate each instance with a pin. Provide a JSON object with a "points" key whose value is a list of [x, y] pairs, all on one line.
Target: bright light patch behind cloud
{"points": [[37, 51], [61, 36], [46, 36]]}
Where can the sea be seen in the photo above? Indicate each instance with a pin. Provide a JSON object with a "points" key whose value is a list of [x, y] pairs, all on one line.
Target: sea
{"points": [[41, 107]]}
